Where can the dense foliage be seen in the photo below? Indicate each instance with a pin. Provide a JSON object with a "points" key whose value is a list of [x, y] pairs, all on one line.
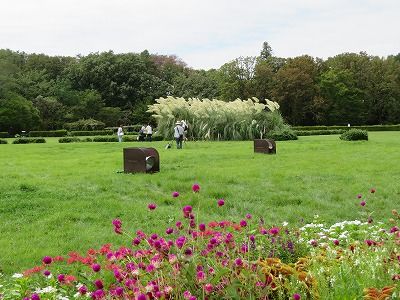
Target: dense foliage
{"points": [[41, 92], [354, 135], [219, 120]]}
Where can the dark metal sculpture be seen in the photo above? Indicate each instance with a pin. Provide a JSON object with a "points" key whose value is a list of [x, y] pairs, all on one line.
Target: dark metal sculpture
{"points": [[141, 160], [265, 146]]}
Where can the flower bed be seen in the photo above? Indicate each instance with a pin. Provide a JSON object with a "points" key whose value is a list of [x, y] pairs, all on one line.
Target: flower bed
{"points": [[244, 259]]}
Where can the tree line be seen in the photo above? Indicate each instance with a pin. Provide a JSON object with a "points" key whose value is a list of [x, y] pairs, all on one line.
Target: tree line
{"points": [[44, 92]]}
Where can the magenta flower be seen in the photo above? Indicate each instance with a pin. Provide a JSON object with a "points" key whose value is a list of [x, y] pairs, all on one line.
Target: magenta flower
{"points": [[175, 194], [202, 227], [152, 206], [238, 262], [314, 243], [178, 225], [362, 203], [46, 273], [249, 216], [169, 230], [243, 223], [296, 297], [47, 260], [83, 290], [61, 278], [35, 297], [274, 231], [200, 276], [336, 242], [221, 202], [359, 196], [96, 267], [196, 188], [99, 284], [192, 298], [119, 291], [141, 297], [208, 288], [394, 229], [136, 241]]}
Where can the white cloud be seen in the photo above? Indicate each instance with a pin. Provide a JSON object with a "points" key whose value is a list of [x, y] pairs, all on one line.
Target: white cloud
{"points": [[203, 33]]}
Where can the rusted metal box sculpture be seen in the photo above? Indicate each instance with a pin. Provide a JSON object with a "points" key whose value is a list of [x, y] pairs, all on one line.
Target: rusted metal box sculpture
{"points": [[141, 160], [265, 146]]}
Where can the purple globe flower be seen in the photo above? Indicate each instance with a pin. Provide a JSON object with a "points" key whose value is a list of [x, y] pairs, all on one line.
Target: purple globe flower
{"points": [[83, 290], [47, 260], [196, 188], [362, 203], [175, 194], [141, 297], [238, 262], [152, 206], [202, 227], [46, 273], [221, 202], [96, 267], [35, 297], [99, 284], [61, 278], [249, 216], [296, 297], [243, 223], [169, 230]]}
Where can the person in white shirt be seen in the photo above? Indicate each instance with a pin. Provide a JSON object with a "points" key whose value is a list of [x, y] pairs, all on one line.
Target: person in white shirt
{"points": [[149, 132], [185, 130], [120, 133], [178, 135]]}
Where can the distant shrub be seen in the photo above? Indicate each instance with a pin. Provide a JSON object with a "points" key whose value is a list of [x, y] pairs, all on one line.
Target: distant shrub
{"points": [[363, 127], [88, 124], [157, 138], [129, 138], [3, 142], [29, 141], [355, 135], [86, 139], [105, 139], [4, 135], [69, 139], [91, 133], [49, 133], [282, 135], [319, 132]]}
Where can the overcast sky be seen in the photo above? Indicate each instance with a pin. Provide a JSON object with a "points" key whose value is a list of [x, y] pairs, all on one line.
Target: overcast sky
{"points": [[203, 33]]}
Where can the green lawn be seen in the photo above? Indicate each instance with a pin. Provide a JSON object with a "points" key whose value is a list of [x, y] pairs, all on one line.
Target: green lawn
{"points": [[56, 198]]}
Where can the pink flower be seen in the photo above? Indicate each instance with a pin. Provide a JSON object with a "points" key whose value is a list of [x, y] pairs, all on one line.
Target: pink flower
{"points": [[61, 278], [243, 223], [196, 188], [96, 267], [274, 231], [83, 290], [175, 194], [221, 202], [362, 203], [35, 297], [99, 284], [202, 227], [169, 230], [359, 196], [47, 260], [200, 276], [208, 288], [46, 273], [336, 242], [238, 262], [249, 216], [152, 206], [296, 297]]}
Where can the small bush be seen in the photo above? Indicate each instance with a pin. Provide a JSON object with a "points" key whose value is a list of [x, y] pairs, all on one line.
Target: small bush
{"points": [[282, 135], [91, 133], [129, 138], [4, 135], [89, 124], [29, 141], [355, 135], [3, 142], [50, 133], [157, 138], [69, 140], [105, 139]]}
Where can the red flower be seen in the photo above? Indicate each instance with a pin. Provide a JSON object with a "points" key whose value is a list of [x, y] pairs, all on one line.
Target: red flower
{"points": [[196, 188]]}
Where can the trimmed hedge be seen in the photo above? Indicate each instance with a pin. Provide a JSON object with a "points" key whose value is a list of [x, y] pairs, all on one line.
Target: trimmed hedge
{"points": [[319, 132], [100, 139], [283, 135], [363, 127], [91, 133], [69, 139], [29, 141], [49, 133], [355, 135], [4, 135], [3, 142]]}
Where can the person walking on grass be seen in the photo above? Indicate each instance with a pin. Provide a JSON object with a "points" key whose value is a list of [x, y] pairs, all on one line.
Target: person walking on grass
{"points": [[178, 134], [149, 132], [120, 133]]}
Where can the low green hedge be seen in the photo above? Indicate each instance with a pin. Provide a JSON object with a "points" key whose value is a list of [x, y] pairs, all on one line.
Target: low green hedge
{"points": [[91, 133], [4, 135], [29, 141], [3, 142], [363, 127], [49, 133], [355, 135], [282, 135], [69, 139], [319, 132]]}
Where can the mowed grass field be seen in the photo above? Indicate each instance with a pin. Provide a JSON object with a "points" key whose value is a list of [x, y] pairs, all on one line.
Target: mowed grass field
{"points": [[56, 198]]}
